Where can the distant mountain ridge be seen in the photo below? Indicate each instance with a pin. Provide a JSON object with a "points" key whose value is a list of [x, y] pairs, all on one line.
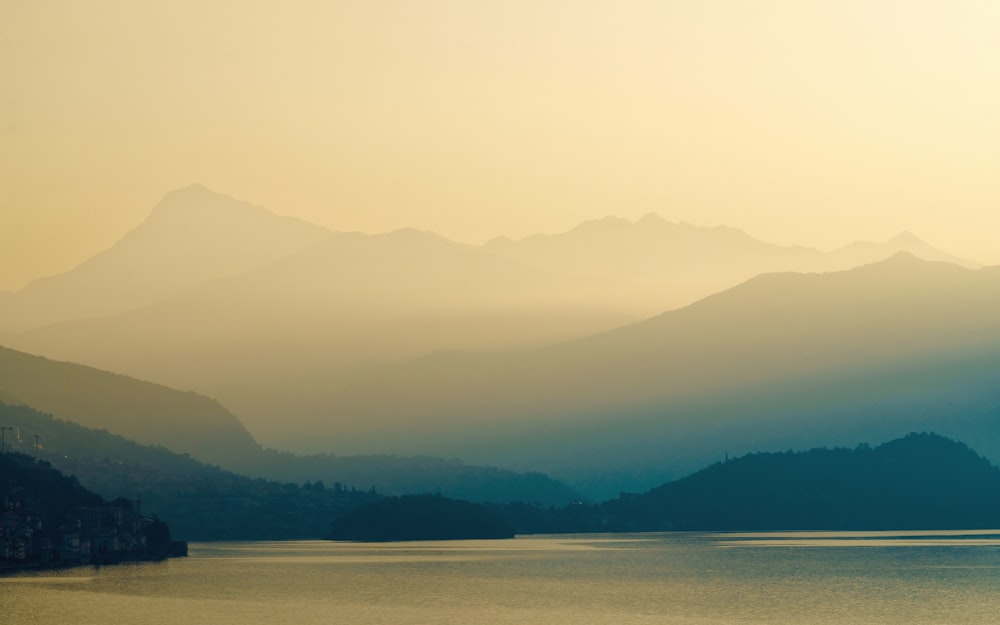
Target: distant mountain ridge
{"points": [[409, 343], [142, 411], [905, 241], [903, 343], [772, 325], [114, 406], [273, 315], [280, 338], [192, 236], [681, 263]]}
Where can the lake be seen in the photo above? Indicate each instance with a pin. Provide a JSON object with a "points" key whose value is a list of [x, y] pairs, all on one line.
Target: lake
{"points": [[684, 578]]}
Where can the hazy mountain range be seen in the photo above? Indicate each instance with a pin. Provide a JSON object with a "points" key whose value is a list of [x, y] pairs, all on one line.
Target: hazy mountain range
{"points": [[182, 432], [783, 359], [675, 264], [191, 237], [272, 315], [528, 353], [141, 411]]}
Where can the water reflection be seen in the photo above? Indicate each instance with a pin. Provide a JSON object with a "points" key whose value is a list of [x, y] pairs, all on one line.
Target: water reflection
{"points": [[941, 538], [681, 578]]}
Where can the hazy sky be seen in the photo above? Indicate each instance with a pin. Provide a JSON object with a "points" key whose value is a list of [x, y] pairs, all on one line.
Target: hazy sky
{"points": [[814, 122]]}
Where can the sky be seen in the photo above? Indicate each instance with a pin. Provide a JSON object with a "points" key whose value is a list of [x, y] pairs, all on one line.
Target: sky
{"points": [[808, 122]]}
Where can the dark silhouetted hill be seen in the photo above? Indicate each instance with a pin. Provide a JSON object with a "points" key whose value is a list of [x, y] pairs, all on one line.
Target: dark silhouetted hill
{"points": [[395, 475], [922, 481], [37, 483], [420, 517]]}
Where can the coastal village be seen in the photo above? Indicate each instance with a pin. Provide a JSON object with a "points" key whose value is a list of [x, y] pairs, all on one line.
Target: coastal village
{"points": [[48, 520]]}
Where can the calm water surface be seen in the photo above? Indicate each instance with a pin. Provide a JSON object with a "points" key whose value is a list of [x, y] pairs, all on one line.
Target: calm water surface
{"points": [[800, 578]]}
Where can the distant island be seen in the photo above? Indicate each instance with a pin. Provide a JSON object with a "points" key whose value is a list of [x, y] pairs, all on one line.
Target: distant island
{"points": [[921, 481], [48, 520]]}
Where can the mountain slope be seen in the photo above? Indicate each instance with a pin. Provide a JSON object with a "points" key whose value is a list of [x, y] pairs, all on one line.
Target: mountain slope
{"points": [[668, 264], [676, 264], [274, 316], [145, 412], [772, 326], [192, 236], [278, 339], [780, 354], [211, 502]]}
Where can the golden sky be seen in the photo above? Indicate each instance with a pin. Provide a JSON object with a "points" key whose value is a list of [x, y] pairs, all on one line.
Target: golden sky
{"points": [[812, 122]]}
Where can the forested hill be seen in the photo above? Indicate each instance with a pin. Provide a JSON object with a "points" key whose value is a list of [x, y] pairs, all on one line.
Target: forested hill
{"points": [[199, 501], [921, 481], [205, 502]]}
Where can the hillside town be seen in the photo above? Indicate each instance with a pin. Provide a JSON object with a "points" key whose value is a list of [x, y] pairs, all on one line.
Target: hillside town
{"points": [[47, 520]]}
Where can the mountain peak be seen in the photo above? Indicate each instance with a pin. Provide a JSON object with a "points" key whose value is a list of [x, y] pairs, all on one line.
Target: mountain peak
{"points": [[501, 240], [866, 252], [902, 256], [906, 240], [604, 223], [414, 235], [906, 237], [193, 235], [194, 187], [194, 197], [200, 211], [906, 260], [651, 219]]}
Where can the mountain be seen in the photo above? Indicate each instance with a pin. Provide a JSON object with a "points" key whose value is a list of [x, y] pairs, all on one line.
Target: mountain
{"points": [[362, 344], [865, 252], [142, 411], [187, 423], [192, 236], [299, 498], [921, 481], [783, 357], [279, 339], [669, 265], [632, 269], [666, 264], [199, 501], [276, 316]]}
